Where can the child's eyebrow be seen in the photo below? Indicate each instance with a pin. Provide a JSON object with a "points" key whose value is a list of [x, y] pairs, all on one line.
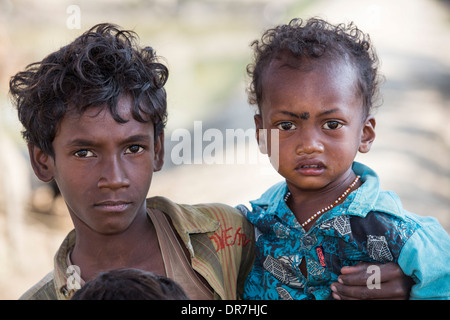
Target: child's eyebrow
{"points": [[288, 113], [326, 112], [306, 115], [303, 115]]}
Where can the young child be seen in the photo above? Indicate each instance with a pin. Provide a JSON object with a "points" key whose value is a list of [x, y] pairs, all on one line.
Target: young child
{"points": [[314, 84], [130, 284], [93, 114]]}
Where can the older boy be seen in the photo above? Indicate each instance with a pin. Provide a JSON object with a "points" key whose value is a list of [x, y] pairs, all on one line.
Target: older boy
{"points": [[94, 113]]}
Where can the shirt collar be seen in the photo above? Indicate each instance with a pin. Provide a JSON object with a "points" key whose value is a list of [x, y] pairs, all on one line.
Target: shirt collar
{"points": [[272, 199], [62, 273], [186, 219], [365, 199]]}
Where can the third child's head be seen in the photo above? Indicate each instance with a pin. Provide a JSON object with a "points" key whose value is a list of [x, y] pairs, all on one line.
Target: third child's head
{"points": [[314, 83]]}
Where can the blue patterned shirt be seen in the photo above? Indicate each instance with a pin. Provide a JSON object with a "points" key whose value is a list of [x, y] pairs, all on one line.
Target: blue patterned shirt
{"points": [[370, 225]]}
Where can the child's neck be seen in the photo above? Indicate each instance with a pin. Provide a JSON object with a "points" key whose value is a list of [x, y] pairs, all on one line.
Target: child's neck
{"points": [[137, 247], [308, 206]]}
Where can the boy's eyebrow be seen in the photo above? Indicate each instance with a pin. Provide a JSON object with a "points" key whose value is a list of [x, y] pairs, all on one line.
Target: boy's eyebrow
{"points": [[86, 142], [137, 138], [81, 142]]}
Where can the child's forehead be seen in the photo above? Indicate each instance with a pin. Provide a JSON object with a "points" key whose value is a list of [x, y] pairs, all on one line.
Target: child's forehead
{"points": [[283, 74], [323, 81], [287, 61]]}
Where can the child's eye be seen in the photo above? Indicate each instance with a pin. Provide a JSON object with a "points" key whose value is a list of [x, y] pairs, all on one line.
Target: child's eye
{"points": [[134, 149], [332, 125], [83, 154], [286, 125]]}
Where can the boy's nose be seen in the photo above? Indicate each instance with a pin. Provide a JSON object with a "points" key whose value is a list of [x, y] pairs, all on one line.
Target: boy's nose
{"points": [[113, 175]]}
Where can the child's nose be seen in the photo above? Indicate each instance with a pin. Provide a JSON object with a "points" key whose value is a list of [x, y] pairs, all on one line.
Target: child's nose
{"points": [[308, 143]]}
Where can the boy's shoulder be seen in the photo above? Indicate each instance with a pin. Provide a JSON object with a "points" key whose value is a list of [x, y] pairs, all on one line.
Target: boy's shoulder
{"points": [[197, 218], [43, 290], [219, 239], [217, 223]]}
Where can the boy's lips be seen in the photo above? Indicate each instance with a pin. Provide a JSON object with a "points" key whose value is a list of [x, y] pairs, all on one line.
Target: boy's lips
{"points": [[112, 205], [310, 167]]}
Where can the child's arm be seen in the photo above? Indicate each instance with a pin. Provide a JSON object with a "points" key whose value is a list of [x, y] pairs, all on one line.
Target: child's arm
{"points": [[359, 282], [426, 257]]}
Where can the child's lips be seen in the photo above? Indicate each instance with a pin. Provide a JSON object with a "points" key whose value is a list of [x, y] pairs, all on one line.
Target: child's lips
{"points": [[310, 167]]}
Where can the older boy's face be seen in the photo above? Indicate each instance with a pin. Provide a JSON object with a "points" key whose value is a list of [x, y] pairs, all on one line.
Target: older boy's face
{"points": [[319, 116], [104, 168]]}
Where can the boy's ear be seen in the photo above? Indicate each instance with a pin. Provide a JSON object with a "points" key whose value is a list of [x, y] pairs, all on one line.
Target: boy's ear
{"points": [[261, 138], [41, 162], [159, 152], [368, 134]]}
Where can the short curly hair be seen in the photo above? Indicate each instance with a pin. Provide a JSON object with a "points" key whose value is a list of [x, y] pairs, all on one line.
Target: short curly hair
{"points": [[130, 284], [97, 68], [315, 39]]}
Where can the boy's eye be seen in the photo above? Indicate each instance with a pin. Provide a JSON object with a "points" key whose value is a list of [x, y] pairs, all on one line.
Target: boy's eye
{"points": [[332, 125], [83, 154], [286, 125], [134, 149]]}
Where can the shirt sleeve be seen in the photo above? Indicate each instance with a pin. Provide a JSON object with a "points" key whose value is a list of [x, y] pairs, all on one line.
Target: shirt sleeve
{"points": [[426, 258], [248, 252]]}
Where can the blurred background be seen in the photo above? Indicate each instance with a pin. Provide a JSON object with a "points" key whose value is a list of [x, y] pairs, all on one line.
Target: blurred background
{"points": [[206, 44]]}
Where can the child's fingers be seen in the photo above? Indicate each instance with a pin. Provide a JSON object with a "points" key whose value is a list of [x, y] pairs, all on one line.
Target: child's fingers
{"points": [[387, 291], [344, 292], [359, 274], [372, 281], [355, 275]]}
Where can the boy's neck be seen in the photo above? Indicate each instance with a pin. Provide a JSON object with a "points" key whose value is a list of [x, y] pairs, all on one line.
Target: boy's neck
{"points": [[137, 247]]}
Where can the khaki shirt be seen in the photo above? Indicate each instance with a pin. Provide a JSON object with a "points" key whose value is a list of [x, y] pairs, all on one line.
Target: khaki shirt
{"points": [[219, 239]]}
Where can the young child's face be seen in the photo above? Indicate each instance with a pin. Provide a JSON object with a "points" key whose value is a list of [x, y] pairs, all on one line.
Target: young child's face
{"points": [[103, 168], [319, 115]]}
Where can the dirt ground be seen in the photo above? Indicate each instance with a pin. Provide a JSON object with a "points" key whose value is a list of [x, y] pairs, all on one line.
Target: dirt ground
{"points": [[411, 152]]}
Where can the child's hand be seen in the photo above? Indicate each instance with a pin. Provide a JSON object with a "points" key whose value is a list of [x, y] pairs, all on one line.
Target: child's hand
{"points": [[354, 282]]}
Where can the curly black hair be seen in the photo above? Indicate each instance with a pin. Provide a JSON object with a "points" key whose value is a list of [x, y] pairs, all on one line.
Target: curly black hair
{"points": [[315, 39], [130, 284], [95, 69]]}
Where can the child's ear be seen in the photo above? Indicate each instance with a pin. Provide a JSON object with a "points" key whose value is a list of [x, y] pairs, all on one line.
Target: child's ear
{"points": [[159, 152], [41, 162], [261, 138], [368, 134]]}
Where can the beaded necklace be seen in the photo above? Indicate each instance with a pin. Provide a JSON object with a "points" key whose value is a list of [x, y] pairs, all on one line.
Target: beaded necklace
{"points": [[331, 206]]}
